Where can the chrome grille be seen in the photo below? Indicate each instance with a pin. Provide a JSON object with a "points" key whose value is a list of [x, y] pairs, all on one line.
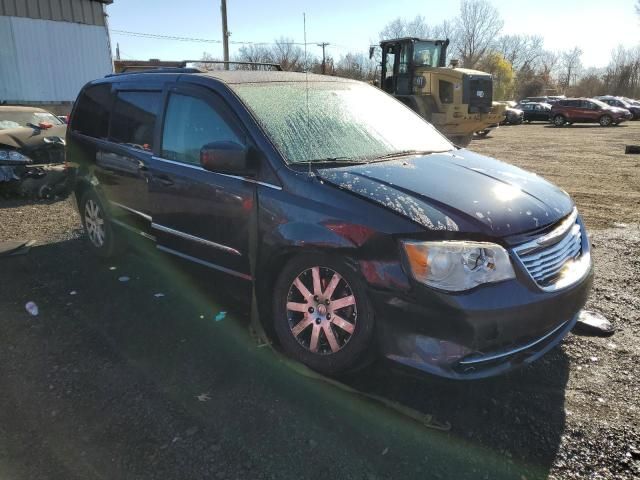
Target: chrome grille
{"points": [[546, 258]]}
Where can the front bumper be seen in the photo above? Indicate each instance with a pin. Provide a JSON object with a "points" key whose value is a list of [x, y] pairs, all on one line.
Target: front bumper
{"points": [[483, 332]]}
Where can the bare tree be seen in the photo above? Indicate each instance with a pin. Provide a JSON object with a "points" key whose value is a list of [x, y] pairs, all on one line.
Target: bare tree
{"points": [[522, 51], [571, 64], [355, 65], [284, 51], [478, 25], [401, 27]]}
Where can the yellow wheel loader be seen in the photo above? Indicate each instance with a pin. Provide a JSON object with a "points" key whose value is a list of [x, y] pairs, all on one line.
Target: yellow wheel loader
{"points": [[457, 101]]}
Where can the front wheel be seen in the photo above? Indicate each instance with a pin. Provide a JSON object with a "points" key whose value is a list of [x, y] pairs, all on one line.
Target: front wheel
{"points": [[322, 315], [605, 121], [559, 120]]}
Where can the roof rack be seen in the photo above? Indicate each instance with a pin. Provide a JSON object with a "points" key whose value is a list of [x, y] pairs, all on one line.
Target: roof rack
{"points": [[150, 69], [147, 67], [276, 66]]}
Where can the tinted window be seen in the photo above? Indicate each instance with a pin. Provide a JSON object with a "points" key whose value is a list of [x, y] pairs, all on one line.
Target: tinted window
{"points": [[91, 114], [446, 91], [191, 123], [133, 119]]}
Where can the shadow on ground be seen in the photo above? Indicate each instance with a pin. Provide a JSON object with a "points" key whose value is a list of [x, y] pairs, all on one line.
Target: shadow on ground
{"points": [[116, 382]]}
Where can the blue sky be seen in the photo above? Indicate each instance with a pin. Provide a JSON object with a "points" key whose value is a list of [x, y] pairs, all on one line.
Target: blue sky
{"points": [[350, 25]]}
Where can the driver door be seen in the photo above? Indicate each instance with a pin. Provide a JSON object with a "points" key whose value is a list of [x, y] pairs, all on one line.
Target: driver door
{"points": [[199, 215]]}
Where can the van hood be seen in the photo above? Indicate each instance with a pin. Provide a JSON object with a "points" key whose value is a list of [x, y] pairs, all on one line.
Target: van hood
{"points": [[457, 191]]}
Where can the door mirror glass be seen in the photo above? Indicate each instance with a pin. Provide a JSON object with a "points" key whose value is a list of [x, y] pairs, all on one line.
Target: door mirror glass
{"points": [[224, 157]]}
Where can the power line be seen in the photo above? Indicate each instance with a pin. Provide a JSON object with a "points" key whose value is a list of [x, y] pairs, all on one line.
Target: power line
{"points": [[200, 40]]}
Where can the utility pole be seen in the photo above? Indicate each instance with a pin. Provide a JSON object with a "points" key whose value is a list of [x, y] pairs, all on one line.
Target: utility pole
{"points": [[225, 33], [323, 45]]}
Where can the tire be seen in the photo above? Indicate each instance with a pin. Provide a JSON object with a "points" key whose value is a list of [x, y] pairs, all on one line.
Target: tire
{"points": [[461, 140], [559, 120], [97, 225], [483, 133], [605, 121], [304, 323]]}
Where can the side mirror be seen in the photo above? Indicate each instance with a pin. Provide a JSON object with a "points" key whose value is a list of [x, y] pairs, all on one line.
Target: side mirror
{"points": [[225, 157]]}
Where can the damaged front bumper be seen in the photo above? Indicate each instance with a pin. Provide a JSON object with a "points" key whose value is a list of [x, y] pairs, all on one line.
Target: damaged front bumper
{"points": [[485, 332]]}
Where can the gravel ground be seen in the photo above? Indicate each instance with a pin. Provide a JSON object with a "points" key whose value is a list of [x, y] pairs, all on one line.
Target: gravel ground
{"points": [[152, 387]]}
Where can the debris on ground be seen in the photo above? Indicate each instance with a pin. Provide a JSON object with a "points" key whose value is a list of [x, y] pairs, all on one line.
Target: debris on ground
{"points": [[220, 316], [593, 323], [203, 397], [73, 292], [632, 149], [123, 279], [32, 308], [159, 295]]}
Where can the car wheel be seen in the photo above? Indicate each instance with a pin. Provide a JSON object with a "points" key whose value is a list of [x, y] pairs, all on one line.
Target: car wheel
{"points": [[97, 226], [483, 133], [605, 120], [559, 120], [322, 315]]}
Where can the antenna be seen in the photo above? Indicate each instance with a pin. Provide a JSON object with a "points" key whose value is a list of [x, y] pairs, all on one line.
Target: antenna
{"points": [[306, 73]]}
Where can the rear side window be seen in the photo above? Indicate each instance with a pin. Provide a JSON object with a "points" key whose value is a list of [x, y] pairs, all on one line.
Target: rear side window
{"points": [[91, 114], [189, 125], [134, 117]]}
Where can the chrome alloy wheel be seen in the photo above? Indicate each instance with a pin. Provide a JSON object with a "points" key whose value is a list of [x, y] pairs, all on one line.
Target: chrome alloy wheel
{"points": [[94, 222], [321, 318]]}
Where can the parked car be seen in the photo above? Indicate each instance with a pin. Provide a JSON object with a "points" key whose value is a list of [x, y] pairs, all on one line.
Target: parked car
{"points": [[361, 227], [587, 110], [32, 155], [535, 112], [622, 103], [513, 116], [550, 99]]}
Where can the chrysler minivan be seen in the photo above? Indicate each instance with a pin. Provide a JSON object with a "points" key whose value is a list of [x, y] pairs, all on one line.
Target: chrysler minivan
{"points": [[361, 229]]}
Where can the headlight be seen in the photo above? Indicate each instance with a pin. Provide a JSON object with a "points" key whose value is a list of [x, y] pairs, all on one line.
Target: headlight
{"points": [[457, 265], [13, 156]]}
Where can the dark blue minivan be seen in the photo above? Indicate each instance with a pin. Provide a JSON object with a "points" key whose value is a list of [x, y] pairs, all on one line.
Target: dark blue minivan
{"points": [[360, 227]]}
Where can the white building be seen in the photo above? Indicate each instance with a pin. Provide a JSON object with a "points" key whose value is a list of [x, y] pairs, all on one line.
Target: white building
{"points": [[50, 48]]}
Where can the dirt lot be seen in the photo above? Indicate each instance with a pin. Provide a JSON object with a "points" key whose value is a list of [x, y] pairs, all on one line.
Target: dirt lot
{"points": [[111, 381]]}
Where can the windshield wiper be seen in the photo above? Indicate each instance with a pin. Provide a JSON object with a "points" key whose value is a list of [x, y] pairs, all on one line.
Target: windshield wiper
{"points": [[402, 153], [331, 160]]}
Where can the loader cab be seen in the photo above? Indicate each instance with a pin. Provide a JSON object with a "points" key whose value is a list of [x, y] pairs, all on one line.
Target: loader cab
{"points": [[402, 56]]}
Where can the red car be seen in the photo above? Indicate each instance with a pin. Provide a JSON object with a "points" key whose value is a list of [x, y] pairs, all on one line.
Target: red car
{"points": [[587, 110]]}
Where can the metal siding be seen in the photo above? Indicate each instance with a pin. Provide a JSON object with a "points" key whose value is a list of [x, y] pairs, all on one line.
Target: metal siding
{"points": [[50, 61], [8, 7], [21, 8], [56, 9], [78, 11], [45, 9]]}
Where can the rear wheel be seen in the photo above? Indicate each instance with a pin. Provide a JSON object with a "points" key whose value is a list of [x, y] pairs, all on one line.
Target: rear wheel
{"points": [[559, 120], [483, 133], [322, 315], [605, 121], [97, 226]]}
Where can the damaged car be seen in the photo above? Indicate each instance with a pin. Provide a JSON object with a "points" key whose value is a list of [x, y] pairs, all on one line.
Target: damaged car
{"points": [[361, 229], [32, 153]]}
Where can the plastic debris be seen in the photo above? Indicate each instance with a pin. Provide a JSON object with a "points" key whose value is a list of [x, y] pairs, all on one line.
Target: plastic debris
{"points": [[159, 295], [593, 323], [123, 279], [385, 451], [220, 316], [203, 397], [112, 268], [73, 292], [32, 308], [620, 225]]}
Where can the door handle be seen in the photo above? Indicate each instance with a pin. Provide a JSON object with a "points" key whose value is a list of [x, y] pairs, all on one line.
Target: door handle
{"points": [[165, 180]]}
